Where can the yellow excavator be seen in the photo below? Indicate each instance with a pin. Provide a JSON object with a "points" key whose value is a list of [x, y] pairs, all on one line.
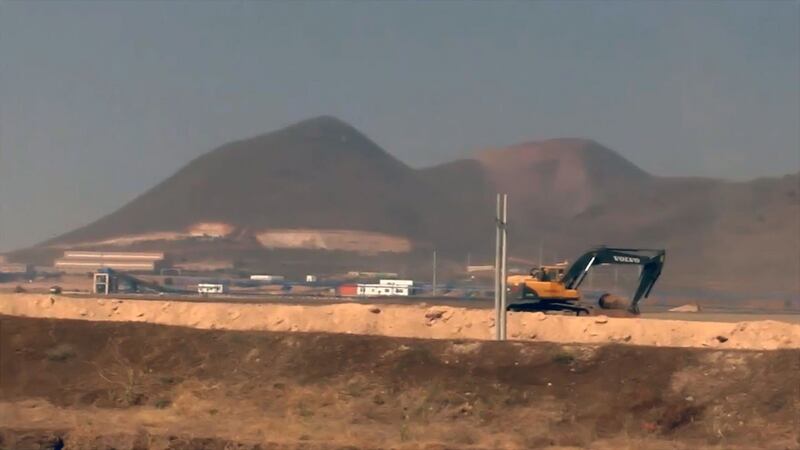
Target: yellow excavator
{"points": [[555, 288]]}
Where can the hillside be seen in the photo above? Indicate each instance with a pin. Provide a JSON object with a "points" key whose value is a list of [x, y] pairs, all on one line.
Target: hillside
{"points": [[562, 177], [128, 385], [570, 194], [322, 188], [320, 173]]}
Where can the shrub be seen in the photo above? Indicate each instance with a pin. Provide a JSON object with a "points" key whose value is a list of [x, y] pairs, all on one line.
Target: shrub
{"points": [[60, 353]]}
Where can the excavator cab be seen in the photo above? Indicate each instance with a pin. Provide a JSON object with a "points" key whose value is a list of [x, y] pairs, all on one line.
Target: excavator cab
{"points": [[556, 287], [549, 273]]}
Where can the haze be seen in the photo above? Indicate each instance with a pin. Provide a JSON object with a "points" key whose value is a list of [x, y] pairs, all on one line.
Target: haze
{"points": [[100, 101]]}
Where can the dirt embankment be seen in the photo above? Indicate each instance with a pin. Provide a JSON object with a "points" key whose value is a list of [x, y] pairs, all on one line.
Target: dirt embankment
{"points": [[101, 385], [436, 322]]}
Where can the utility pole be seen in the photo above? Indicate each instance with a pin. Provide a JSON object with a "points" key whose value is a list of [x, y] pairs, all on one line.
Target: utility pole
{"points": [[504, 270], [497, 270], [434, 274], [500, 267]]}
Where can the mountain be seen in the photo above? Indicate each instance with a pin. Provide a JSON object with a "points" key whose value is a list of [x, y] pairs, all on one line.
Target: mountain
{"points": [[570, 194], [564, 176], [320, 171], [323, 190]]}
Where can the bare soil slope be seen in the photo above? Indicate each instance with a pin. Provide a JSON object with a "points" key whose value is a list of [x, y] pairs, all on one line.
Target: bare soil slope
{"points": [[99, 385], [412, 321]]}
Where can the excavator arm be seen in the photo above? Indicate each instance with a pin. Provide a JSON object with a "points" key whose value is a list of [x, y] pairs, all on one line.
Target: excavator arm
{"points": [[651, 261]]}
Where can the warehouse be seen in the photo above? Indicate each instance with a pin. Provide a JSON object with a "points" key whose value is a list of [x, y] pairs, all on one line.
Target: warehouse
{"points": [[86, 261]]}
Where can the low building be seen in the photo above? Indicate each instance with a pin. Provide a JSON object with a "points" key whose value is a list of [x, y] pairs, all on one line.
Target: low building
{"points": [[113, 256], [479, 269], [404, 283], [209, 288], [385, 288], [268, 278], [381, 290], [204, 265], [15, 268], [15, 271], [347, 290], [91, 261], [69, 265], [373, 275]]}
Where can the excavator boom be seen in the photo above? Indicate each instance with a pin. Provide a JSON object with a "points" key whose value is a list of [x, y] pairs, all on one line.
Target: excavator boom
{"points": [[651, 261]]}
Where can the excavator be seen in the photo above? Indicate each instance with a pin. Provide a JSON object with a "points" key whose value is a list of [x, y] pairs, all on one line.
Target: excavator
{"points": [[555, 288]]}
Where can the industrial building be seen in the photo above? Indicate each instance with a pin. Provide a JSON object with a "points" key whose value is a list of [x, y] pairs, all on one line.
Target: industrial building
{"points": [[15, 268], [9, 271], [87, 261]]}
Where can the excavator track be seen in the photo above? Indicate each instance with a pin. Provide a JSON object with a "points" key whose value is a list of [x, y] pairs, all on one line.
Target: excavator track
{"points": [[579, 309]]}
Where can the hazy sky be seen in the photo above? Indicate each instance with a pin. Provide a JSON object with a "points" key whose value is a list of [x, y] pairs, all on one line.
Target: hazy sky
{"points": [[101, 100]]}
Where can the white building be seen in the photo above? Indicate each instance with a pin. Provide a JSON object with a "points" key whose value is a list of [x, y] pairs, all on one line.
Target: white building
{"points": [[386, 288], [268, 278], [209, 288], [87, 261], [403, 283]]}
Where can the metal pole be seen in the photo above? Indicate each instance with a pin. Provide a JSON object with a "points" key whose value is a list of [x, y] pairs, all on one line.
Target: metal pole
{"points": [[434, 273], [497, 271], [504, 269], [541, 258]]}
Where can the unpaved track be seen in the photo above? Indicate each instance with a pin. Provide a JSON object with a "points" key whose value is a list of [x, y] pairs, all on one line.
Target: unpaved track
{"points": [[416, 321]]}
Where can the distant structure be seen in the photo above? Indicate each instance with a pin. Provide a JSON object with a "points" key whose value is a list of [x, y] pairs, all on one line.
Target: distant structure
{"points": [[86, 261], [9, 271], [211, 288], [204, 266], [385, 288], [480, 269], [268, 278], [109, 281], [358, 274]]}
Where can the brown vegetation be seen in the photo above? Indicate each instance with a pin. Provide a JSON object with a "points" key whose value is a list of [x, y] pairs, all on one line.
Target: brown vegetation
{"points": [[143, 386]]}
